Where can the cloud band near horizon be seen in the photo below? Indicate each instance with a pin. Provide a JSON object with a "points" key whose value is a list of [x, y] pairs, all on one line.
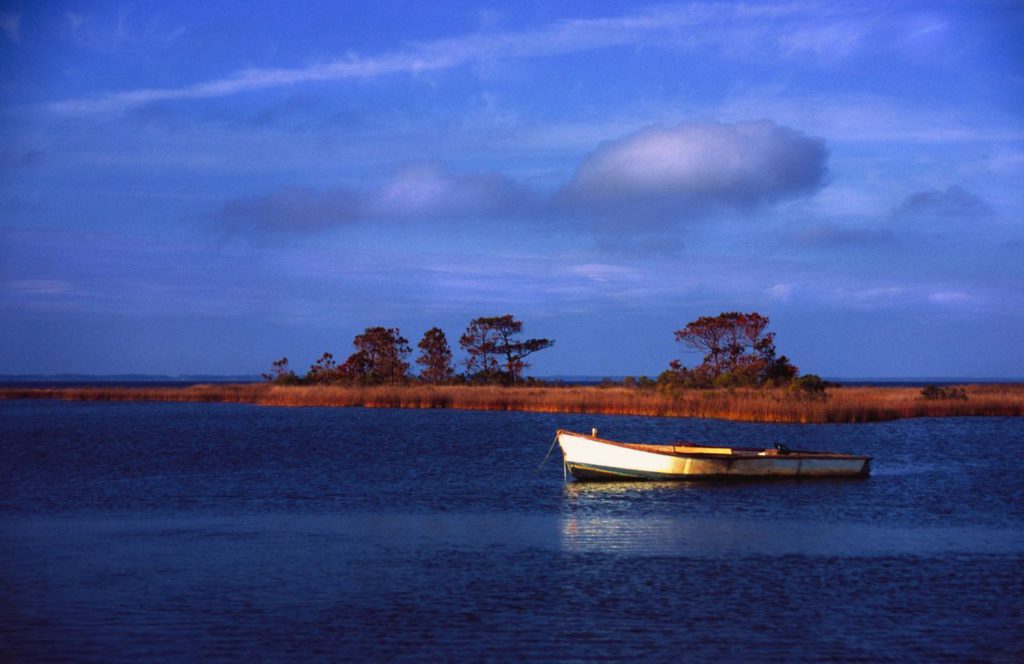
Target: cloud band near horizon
{"points": [[661, 175]]}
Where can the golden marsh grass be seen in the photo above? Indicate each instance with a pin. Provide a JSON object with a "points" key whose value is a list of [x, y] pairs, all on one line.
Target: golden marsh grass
{"points": [[848, 404]]}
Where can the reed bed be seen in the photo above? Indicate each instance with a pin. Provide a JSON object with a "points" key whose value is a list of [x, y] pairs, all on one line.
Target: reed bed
{"points": [[850, 404]]}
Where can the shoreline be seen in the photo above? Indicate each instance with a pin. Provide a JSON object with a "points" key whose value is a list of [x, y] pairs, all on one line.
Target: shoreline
{"points": [[839, 405]]}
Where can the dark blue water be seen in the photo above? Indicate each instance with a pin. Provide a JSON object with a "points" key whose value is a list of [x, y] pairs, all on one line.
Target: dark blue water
{"points": [[229, 532]]}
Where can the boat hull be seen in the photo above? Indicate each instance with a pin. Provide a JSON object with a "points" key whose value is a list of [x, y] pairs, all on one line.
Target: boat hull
{"points": [[589, 458]]}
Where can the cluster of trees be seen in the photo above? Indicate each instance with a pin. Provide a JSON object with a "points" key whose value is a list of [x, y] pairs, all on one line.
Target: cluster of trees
{"points": [[495, 355], [738, 351]]}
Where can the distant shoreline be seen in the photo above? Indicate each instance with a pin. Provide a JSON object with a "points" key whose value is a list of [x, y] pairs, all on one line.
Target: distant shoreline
{"points": [[187, 380], [839, 405]]}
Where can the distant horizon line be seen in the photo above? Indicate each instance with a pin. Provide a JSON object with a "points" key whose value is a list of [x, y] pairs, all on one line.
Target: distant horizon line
{"points": [[67, 377]]}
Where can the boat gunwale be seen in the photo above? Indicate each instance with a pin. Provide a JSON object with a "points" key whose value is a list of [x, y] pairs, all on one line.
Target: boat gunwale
{"points": [[745, 452]]}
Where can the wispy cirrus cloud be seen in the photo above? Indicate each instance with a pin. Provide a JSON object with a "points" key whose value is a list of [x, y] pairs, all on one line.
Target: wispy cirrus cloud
{"points": [[829, 40], [797, 29], [106, 34]]}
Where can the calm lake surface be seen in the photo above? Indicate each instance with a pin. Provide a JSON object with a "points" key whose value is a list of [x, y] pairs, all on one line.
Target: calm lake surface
{"points": [[230, 532]]}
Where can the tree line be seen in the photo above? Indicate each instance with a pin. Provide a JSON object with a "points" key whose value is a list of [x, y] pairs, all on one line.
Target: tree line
{"points": [[494, 355], [738, 351]]}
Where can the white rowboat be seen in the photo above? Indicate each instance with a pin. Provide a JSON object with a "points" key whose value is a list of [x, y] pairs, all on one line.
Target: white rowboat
{"points": [[590, 458]]}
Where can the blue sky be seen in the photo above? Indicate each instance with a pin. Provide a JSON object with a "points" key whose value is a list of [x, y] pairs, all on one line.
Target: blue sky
{"points": [[205, 187]]}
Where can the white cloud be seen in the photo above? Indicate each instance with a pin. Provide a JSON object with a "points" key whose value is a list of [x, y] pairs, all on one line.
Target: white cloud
{"points": [[691, 166], [781, 292], [647, 180], [428, 190], [651, 176]]}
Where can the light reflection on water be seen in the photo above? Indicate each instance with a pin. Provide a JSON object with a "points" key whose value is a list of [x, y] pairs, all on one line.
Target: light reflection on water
{"points": [[590, 526], [428, 534], [662, 536]]}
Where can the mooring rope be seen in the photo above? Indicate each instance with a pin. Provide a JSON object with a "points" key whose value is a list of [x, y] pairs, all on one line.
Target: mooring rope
{"points": [[546, 456]]}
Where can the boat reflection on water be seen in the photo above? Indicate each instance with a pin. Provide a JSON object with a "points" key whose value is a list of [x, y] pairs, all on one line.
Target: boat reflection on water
{"points": [[614, 535], [577, 490], [614, 518], [604, 518], [651, 536], [643, 494]]}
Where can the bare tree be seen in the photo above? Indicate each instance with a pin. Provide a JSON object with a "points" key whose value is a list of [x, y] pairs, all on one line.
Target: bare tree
{"points": [[280, 373]]}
